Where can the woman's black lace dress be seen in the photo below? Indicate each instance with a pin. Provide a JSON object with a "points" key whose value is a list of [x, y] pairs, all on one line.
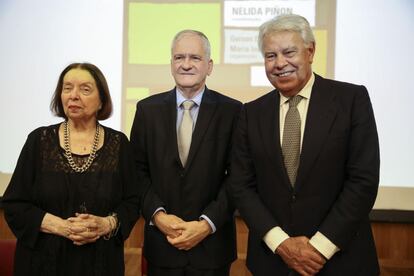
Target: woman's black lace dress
{"points": [[44, 182]]}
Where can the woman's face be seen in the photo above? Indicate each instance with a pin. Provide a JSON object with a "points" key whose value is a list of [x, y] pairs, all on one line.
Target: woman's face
{"points": [[80, 96]]}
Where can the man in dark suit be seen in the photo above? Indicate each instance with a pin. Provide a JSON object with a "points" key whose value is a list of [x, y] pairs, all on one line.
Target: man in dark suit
{"points": [[305, 167], [182, 140]]}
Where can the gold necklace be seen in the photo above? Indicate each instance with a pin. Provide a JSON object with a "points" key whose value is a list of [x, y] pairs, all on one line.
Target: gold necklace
{"points": [[68, 153]]}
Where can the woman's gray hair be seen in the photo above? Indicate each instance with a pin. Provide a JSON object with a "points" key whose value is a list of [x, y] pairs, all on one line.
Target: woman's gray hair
{"points": [[286, 23], [206, 43]]}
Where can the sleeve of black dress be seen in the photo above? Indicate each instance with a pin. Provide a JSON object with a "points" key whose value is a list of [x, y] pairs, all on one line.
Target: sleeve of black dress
{"points": [[128, 210], [22, 215]]}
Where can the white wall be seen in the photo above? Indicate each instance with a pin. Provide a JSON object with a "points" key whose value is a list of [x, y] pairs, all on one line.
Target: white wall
{"points": [[374, 47], [38, 39]]}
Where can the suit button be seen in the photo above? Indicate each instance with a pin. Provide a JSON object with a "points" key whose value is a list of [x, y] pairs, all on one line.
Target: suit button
{"points": [[293, 198], [182, 174]]}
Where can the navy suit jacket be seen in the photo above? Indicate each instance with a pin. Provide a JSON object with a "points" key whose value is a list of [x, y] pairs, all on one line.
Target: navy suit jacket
{"points": [[190, 191], [336, 184]]}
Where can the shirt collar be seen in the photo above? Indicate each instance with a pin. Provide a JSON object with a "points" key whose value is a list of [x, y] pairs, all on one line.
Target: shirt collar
{"points": [[196, 99], [305, 92]]}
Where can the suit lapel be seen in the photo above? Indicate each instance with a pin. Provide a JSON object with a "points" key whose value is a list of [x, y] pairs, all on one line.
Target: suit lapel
{"points": [[270, 130], [205, 114], [320, 117], [169, 114]]}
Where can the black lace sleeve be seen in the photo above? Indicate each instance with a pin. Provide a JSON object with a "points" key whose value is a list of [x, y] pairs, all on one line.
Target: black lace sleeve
{"points": [[22, 215], [128, 210]]}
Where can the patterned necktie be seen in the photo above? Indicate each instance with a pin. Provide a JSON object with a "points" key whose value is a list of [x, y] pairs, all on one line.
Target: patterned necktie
{"points": [[185, 131], [291, 139]]}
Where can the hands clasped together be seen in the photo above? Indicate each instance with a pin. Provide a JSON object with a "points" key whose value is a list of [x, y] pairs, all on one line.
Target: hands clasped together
{"points": [[81, 229], [183, 235], [87, 228], [301, 256]]}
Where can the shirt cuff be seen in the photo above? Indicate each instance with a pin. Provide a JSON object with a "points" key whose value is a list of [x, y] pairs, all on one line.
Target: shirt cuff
{"points": [[156, 211], [213, 227], [275, 237], [323, 245]]}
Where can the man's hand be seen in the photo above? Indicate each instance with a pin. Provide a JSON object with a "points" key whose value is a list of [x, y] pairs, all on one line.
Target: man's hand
{"points": [[301, 256], [164, 223], [192, 233]]}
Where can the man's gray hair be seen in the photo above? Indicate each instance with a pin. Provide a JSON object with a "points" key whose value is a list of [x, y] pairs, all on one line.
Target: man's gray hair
{"points": [[286, 23], [206, 43]]}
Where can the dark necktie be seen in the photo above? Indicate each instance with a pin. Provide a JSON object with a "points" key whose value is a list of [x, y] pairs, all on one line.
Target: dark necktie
{"points": [[291, 139]]}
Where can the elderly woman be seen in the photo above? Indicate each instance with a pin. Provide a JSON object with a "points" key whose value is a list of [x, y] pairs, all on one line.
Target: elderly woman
{"points": [[74, 197]]}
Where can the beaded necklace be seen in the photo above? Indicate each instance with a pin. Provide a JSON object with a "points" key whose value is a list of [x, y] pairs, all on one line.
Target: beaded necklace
{"points": [[68, 153]]}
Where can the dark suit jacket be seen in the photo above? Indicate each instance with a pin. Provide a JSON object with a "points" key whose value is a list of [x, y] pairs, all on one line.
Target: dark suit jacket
{"points": [[191, 191], [337, 178]]}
